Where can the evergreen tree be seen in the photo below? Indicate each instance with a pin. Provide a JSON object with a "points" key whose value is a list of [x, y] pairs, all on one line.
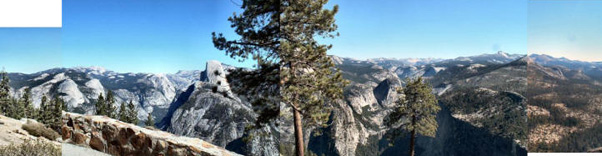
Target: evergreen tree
{"points": [[122, 115], [110, 107], [4, 93], [417, 104], [132, 114], [47, 111], [41, 115], [17, 109], [55, 112], [149, 121], [26, 100], [100, 105], [281, 33]]}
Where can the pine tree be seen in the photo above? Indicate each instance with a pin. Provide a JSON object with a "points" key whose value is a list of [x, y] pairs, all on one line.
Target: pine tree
{"points": [[55, 112], [4, 93], [41, 111], [100, 105], [26, 100], [17, 109], [417, 104], [110, 107], [132, 114], [123, 116], [281, 33], [149, 121]]}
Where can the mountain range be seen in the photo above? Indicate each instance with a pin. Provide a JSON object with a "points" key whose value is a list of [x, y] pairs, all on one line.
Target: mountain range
{"points": [[485, 104], [80, 87]]}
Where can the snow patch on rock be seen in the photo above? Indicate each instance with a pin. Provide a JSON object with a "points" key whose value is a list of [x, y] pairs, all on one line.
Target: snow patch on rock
{"points": [[41, 77]]}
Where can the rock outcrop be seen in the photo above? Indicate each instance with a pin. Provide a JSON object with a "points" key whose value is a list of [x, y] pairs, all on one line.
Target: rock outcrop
{"points": [[118, 138], [211, 111]]}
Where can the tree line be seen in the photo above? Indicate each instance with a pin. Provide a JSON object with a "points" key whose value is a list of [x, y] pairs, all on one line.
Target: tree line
{"points": [[50, 110], [106, 106]]}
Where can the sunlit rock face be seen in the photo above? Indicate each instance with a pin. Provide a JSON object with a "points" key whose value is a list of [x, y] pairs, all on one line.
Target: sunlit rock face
{"points": [[209, 110]]}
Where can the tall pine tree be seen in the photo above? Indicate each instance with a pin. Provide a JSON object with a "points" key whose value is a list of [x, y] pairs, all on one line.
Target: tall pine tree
{"points": [[417, 104], [55, 112], [281, 33], [29, 111], [122, 115], [110, 105], [132, 114], [4, 93], [41, 111], [100, 105], [17, 109], [47, 112], [150, 121]]}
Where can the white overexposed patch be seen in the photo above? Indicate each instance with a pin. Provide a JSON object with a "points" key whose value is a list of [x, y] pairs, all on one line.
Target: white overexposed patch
{"points": [[475, 66], [438, 69]]}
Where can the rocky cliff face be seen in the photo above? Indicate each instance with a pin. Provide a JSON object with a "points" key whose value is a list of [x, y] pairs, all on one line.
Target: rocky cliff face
{"points": [[210, 111], [118, 138]]}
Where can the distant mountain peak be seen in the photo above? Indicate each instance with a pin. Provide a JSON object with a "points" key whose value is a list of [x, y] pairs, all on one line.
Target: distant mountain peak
{"points": [[501, 53], [94, 69]]}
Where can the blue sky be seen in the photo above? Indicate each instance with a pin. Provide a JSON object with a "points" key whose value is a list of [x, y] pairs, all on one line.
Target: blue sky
{"points": [[144, 35], [429, 28], [571, 29], [165, 36], [30, 50]]}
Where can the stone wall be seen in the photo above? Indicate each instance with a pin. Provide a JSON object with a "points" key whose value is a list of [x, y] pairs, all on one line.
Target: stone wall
{"points": [[118, 138]]}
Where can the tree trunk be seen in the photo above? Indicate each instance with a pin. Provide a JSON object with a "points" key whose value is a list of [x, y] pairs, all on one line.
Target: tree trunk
{"points": [[298, 133], [413, 137]]}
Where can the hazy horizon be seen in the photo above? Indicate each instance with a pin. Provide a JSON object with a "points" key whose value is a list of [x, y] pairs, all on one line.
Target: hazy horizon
{"points": [[570, 29], [201, 68]]}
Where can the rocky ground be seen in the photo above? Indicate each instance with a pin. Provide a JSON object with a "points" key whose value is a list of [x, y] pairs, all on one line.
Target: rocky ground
{"points": [[16, 140], [11, 132]]}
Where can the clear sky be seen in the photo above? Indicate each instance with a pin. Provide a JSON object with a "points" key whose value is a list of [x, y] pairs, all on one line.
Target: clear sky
{"points": [[30, 50], [429, 28], [571, 29], [158, 36], [163, 36]]}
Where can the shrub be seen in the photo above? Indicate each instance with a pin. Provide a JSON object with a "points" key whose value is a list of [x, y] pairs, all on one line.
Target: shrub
{"points": [[30, 148], [38, 129]]}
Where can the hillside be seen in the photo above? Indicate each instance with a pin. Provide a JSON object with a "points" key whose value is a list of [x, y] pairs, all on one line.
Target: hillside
{"points": [[565, 104]]}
